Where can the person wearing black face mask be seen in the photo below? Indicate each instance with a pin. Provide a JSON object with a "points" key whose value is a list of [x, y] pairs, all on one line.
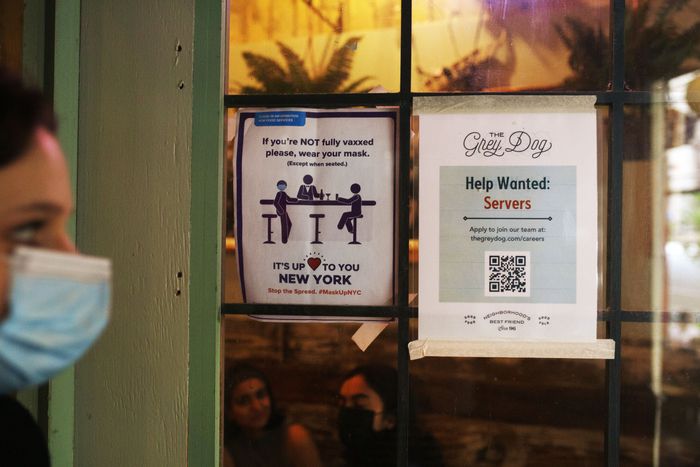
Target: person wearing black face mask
{"points": [[367, 421]]}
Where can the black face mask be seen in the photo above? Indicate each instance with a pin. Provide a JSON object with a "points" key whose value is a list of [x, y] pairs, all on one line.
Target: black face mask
{"points": [[365, 446], [355, 427]]}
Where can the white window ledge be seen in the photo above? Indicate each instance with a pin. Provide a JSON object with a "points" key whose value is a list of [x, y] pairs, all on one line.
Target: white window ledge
{"points": [[601, 349]]}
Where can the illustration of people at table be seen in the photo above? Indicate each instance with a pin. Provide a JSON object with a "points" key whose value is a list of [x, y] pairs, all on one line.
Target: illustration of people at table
{"points": [[308, 191], [349, 218], [280, 204]]}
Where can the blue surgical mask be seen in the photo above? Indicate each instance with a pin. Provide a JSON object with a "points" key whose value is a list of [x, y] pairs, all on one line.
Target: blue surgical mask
{"points": [[58, 306]]}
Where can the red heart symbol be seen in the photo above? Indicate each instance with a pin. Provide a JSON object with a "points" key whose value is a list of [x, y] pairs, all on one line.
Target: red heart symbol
{"points": [[313, 263]]}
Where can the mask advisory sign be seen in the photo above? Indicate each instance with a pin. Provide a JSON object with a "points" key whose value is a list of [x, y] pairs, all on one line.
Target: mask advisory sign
{"points": [[508, 219], [314, 197]]}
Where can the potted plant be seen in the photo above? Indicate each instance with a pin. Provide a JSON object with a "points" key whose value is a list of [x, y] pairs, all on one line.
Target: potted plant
{"points": [[292, 76]]}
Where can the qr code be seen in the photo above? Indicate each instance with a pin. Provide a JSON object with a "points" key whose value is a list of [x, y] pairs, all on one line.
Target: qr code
{"points": [[507, 273]]}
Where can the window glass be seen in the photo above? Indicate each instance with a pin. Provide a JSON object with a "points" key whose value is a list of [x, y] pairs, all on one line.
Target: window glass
{"points": [[313, 46], [413, 214], [231, 279], [313, 371], [603, 114], [510, 45], [660, 386], [661, 38], [499, 411], [661, 204]]}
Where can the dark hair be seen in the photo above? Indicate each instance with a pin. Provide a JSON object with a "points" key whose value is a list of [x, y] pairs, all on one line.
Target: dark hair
{"points": [[22, 111], [383, 380], [237, 374]]}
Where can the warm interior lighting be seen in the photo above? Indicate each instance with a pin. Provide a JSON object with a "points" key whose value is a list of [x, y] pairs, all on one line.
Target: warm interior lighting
{"points": [[693, 94], [413, 250]]}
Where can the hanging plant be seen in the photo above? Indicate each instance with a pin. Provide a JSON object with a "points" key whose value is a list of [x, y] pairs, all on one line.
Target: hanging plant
{"points": [[655, 48], [588, 57], [292, 76]]}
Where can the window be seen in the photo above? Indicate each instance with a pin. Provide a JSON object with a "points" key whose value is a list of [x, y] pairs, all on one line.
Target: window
{"points": [[641, 60]]}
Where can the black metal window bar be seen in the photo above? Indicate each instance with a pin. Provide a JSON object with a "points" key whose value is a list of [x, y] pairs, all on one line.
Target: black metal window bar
{"points": [[616, 97]]}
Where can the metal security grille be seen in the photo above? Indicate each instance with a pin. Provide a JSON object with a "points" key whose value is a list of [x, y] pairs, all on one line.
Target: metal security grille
{"points": [[615, 98]]}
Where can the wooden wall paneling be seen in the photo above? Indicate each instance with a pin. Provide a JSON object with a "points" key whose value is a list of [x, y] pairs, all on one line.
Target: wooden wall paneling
{"points": [[11, 23]]}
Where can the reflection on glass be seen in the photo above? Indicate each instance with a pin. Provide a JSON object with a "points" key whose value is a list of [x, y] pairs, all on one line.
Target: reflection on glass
{"points": [[313, 46], [310, 372], [661, 41], [661, 203], [660, 387], [510, 45], [682, 247], [503, 412]]}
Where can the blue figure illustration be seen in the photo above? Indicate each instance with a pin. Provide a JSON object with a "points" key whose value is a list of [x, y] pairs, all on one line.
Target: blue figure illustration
{"points": [[280, 204], [355, 202], [307, 191]]}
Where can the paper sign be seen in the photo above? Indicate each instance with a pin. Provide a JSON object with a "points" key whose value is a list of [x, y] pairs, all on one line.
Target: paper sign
{"points": [[508, 224], [315, 205]]}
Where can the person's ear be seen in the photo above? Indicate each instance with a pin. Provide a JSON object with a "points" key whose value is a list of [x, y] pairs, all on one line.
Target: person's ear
{"points": [[388, 422]]}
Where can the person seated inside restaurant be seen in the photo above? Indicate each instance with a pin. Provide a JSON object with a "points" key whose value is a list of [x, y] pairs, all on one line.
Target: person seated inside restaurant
{"points": [[367, 421], [256, 433]]}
